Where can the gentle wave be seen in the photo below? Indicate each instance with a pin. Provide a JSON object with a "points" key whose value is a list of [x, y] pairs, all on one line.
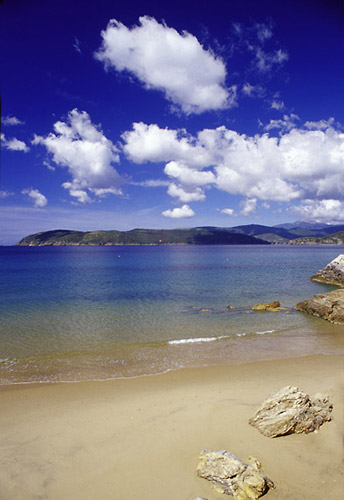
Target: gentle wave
{"points": [[212, 339]]}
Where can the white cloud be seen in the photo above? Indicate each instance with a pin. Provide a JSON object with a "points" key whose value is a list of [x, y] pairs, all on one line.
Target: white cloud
{"points": [[253, 90], [287, 123], [265, 61], [49, 166], [264, 31], [151, 183], [82, 147], [38, 198], [11, 120], [184, 194], [330, 211], [14, 144], [178, 213], [189, 176], [278, 105], [163, 59], [228, 211], [297, 165], [77, 45], [249, 206], [320, 125], [5, 194], [152, 143]]}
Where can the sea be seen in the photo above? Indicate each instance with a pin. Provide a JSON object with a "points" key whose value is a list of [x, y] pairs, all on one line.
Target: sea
{"points": [[71, 314]]}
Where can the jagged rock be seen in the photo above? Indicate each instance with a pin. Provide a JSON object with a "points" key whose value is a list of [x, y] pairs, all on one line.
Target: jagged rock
{"points": [[230, 475], [333, 273], [291, 411], [329, 306], [271, 306]]}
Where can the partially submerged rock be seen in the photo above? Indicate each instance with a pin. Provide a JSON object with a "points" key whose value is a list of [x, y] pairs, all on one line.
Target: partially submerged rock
{"points": [[230, 475], [291, 411], [329, 306], [333, 273], [271, 306]]}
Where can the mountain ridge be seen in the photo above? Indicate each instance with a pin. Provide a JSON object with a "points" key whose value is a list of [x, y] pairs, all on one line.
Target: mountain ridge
{"points": [[250, 234]]}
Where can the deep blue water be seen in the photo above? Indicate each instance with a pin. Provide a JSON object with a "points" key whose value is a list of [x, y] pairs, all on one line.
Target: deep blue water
{"points": [[70, 313]]}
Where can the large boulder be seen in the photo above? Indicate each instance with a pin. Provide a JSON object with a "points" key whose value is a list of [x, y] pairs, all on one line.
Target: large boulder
{"points": [[291, 411], [329, 306], [230, 475], [333, 273]]}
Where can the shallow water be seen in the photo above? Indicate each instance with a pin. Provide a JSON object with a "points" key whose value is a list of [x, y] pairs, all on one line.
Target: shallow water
{"points": [[85, 313]]}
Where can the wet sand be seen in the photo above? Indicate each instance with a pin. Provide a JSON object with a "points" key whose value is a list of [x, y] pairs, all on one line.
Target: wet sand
{"points": [[140, 438]]}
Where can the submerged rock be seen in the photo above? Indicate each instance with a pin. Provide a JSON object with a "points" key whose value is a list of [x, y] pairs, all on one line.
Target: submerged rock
{"points": [[271, 306], [291, 411], [333, 273], [329, 306], [230, 475]]}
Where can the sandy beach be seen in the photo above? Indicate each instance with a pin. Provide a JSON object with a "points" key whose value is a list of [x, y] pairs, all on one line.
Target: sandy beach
{"points": [[140, 438]]}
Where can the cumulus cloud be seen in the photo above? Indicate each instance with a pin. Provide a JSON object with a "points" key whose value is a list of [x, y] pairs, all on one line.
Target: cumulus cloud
{"points": [[330, 211], [249, 206], [228, 211], [179, 213], [163, 59], [299, 164], [14, 144], [150, 143], [185, 194], [39, 200], [11, 120], [83, 149]]}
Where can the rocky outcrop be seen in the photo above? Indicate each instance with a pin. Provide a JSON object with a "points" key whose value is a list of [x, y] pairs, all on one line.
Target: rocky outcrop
{"points": [[230, 475], [329, 306], [291, 411], [271, 306], [333, 273]]}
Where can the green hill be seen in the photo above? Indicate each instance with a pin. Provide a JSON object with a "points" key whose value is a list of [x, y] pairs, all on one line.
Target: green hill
{"points": [[193, 236]]}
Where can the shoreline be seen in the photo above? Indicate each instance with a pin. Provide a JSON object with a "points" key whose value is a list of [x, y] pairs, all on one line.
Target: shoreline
{"points": [[140, 437]]}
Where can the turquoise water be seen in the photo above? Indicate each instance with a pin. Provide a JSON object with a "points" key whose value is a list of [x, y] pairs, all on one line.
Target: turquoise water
{"points": [[80, 313]]}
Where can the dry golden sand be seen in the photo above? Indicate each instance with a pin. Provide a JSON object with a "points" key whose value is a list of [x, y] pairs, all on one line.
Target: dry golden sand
{"points": [[140, 438]]}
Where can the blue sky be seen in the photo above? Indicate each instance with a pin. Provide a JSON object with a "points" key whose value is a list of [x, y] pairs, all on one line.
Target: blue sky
{"points": [[156, 114]]}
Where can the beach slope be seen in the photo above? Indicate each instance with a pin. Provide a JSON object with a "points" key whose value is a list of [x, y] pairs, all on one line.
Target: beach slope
{"points": [[141, 438]]}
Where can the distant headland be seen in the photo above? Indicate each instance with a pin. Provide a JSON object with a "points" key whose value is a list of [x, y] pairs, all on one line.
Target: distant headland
{"points": [[252, 234]]}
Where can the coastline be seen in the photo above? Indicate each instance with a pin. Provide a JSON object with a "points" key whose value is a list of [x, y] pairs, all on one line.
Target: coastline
{"points": [[141, 437]]}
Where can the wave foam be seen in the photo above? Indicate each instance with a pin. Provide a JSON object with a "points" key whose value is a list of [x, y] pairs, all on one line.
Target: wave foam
{"points": [[212, 339]]}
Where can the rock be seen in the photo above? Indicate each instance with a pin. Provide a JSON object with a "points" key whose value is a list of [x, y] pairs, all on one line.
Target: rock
{"points": [[229, 307], [291, 411], [271, 306], [329, 306], [333, 273], [232, 476]]}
